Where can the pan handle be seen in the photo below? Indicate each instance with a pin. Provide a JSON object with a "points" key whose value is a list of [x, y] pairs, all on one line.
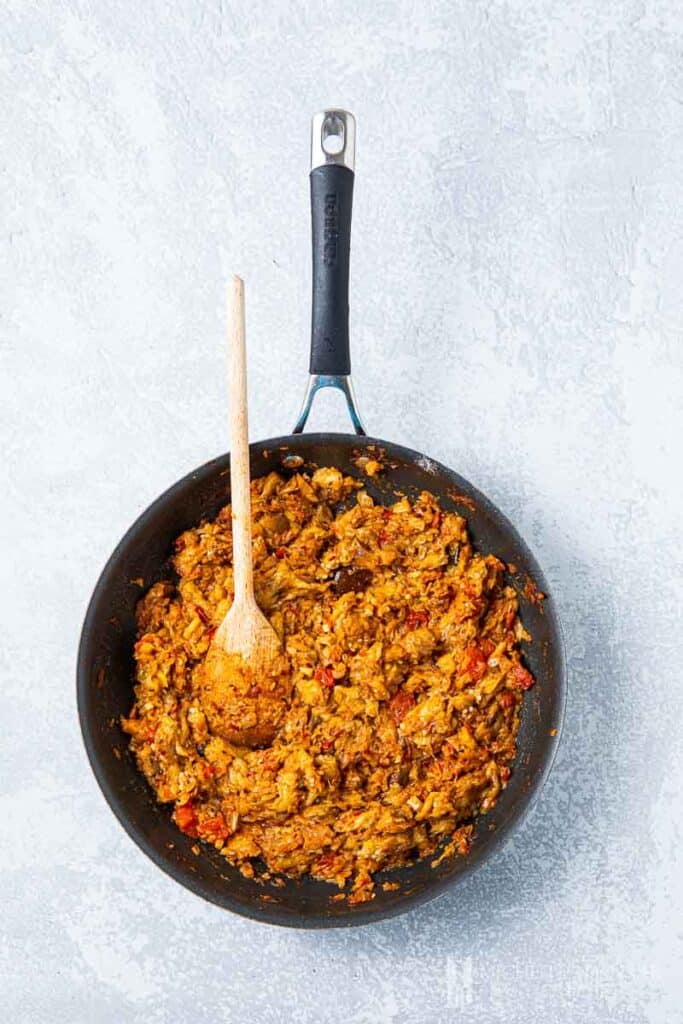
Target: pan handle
{"points": [[333, 150]]}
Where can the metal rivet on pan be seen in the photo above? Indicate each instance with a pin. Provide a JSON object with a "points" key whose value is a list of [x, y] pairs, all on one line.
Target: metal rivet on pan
{"points": [[292, 461]]}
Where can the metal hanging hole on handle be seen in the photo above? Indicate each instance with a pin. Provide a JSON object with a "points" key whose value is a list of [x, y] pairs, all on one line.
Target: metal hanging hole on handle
{"points": [[333, 133], [333, 139]]}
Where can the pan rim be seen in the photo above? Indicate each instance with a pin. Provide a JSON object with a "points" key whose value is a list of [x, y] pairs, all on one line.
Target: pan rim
{"points": [[271, 914]]}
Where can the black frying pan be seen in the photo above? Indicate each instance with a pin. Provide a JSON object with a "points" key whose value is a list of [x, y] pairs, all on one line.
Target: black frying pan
{"points": [[105, 664]]}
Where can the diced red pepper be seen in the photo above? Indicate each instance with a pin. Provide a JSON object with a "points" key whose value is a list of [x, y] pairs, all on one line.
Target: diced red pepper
{"points": [[179, 543], [505, 773], [400, 704], [417, 618], [202, 614], [387, 513], [522, 678], [326, 745], [507, 699], [209, 771], [383, 536], [487, 647], [280, 552], [214, 829], [326, 862], [186, 819], [324, 675], [475, 663]]}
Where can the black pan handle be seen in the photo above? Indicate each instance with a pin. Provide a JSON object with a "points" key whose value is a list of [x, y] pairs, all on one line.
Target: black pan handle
{"points": [[331, 201], [333, 147]]}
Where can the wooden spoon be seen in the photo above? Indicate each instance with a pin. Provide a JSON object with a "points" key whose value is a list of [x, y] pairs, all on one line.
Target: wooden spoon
{"points": [[244, 686]]}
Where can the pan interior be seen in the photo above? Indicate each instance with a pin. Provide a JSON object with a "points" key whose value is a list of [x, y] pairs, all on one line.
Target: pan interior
{"points": [[105, 679]]}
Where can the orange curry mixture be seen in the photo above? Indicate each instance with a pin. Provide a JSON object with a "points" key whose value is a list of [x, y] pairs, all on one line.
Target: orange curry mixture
{"points": [[407, 685]]}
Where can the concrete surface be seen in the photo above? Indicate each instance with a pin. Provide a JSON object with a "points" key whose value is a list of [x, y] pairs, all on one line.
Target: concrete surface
{"points": [[516, 312]]}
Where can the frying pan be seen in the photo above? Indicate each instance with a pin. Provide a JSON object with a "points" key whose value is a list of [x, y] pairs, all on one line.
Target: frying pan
{"points": [[105, 665]]}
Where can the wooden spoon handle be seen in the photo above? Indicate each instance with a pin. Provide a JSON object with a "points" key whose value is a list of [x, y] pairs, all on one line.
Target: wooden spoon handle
{"points": [[239, 446]]}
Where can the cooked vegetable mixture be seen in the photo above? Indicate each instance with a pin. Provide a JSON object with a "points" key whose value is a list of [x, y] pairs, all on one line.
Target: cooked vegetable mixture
{"points": [[407, 684]]}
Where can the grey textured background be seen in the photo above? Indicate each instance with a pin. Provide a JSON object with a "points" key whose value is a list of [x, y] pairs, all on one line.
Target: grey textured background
{"points": [[517, 311]]}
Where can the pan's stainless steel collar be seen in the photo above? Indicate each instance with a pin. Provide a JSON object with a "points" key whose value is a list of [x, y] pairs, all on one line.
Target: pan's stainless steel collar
{"points": [[333, 139], [343, 383]]}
